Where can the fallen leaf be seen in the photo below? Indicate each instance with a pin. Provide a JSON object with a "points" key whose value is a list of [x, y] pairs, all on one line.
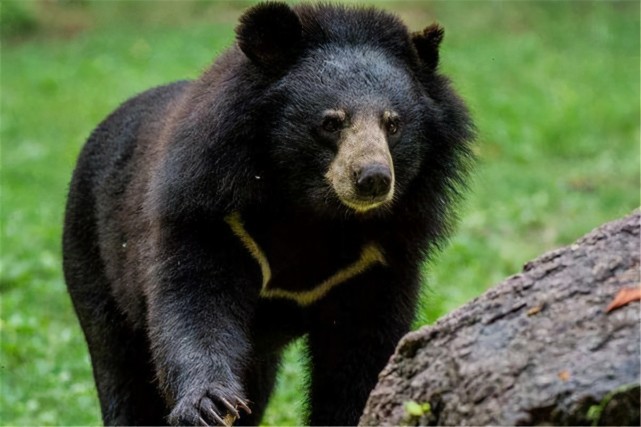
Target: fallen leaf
{"points": [[564, 375], [229, 419], [535, 310], [624, 297]]}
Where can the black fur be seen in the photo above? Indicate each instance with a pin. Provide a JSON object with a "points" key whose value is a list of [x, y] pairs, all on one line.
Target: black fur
{"points": [[168, 296], [270, 35]]}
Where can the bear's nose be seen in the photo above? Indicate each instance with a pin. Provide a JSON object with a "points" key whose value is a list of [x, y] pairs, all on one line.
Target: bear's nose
{"points": [[373, 181]]}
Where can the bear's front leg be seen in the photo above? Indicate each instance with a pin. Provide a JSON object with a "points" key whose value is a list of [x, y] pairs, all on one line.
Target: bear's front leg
{"points": [[202, 295], [355, 332]]}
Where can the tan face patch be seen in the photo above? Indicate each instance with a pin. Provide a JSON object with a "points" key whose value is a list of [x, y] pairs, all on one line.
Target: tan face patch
{"points": [[362, 144]]}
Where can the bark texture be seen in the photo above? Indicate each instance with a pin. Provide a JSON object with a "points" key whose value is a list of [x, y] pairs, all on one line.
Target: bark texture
{"points": [[539, 348]]}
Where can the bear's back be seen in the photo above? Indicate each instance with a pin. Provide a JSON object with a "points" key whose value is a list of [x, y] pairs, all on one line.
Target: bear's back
{"points": [[112, 143]]}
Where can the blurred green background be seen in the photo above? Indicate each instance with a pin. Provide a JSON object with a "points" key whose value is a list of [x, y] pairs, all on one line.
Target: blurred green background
{"points": [[553, 86]]}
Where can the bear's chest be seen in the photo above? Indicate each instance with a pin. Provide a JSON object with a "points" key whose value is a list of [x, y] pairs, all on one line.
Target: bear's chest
{"points": [[304, 261]]}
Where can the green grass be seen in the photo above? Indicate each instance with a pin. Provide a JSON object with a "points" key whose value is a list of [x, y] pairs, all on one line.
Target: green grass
{"points": [[554, 88]]}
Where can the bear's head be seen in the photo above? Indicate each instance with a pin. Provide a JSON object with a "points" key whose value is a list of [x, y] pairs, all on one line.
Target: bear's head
{"points": [[354, 106]]}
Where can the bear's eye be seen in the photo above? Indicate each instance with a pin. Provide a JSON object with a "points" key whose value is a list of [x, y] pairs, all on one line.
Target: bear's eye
{"points": [[392, 123], [333, 120], [332, 124], [392, 128]]}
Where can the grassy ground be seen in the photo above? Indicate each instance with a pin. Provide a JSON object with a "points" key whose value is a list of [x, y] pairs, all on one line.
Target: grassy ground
{"points": [[554, 88]]}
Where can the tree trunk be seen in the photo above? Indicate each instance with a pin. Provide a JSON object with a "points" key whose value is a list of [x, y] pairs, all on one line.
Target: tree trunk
{"points": [[540, 348]]}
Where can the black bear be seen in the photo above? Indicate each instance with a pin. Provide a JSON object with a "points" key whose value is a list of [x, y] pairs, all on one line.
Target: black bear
{"points": [[294, 189]]}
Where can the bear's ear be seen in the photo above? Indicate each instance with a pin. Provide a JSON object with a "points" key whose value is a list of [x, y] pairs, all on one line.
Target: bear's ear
{"points": [[426, 43], [269, 34]]}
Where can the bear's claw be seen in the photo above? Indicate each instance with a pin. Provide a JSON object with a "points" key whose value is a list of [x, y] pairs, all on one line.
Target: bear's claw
{"points": [[208, 408], [243, 405], [230, 407]]}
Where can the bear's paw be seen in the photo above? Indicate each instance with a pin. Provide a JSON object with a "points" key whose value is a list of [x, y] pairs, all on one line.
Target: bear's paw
{"points": [[213, 405]]}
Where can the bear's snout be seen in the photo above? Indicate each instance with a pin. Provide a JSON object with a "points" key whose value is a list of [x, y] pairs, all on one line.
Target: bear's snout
{"points": [[373, 181], [362, 172]]}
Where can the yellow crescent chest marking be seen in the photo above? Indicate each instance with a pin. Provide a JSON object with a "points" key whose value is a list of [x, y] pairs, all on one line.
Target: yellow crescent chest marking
{"points": [[371, 254], [236, 225]]}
